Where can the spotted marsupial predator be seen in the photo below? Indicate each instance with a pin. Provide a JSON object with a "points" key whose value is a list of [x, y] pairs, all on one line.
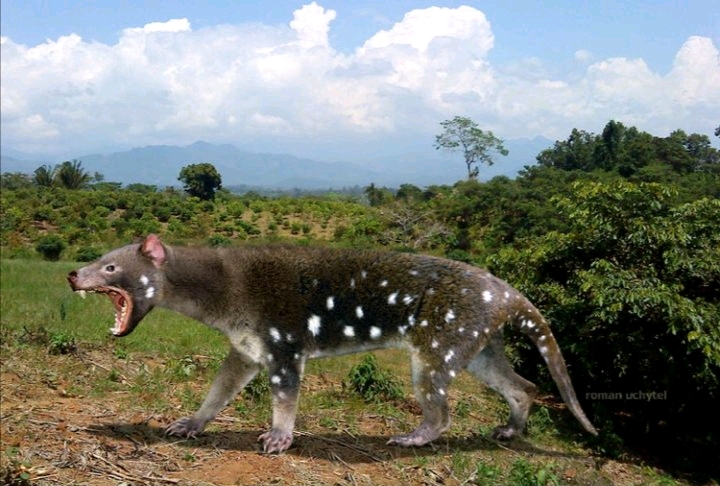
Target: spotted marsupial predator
{"points": [[282, 305]]}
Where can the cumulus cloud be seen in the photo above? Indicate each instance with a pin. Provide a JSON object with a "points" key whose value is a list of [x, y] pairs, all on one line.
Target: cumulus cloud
{"points": [[166, 82]]}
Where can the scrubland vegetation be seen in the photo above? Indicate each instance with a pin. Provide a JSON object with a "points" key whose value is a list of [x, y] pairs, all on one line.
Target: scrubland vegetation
{"points": [[615, 236]]}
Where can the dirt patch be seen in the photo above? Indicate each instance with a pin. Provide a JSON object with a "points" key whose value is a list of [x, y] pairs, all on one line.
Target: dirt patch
{"points": [[94, 419]]}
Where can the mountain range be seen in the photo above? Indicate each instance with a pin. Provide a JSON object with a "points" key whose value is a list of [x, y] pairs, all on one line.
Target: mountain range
{"points": [[160, 165]]}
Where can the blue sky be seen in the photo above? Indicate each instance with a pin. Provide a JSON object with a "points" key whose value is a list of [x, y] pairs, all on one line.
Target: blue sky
{"points": [[521, 68]]}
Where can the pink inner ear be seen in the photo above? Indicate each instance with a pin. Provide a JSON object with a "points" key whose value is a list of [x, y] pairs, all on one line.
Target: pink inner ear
{"points": [[153, 249]]}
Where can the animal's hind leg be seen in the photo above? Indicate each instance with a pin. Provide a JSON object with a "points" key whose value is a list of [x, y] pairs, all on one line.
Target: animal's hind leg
{"points": [[431, 391], [492, 366]]}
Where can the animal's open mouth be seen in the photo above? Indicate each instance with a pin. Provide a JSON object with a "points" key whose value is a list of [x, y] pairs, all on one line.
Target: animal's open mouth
{"points": [[123, 307]]}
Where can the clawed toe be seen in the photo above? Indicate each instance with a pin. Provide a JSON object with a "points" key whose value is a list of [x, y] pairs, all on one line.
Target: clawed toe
{"points": [[186, 427], [275, 441]]}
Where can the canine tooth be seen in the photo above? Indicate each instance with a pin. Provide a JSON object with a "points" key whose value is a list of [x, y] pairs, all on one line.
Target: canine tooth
{"points": [[82, 293]]}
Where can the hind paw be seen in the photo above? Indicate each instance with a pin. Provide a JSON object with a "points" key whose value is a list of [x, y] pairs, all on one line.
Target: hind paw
{"points": [[505, 432]]}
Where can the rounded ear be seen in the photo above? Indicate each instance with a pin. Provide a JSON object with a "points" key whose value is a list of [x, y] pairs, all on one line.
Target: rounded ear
{"points": [[154, 250]]}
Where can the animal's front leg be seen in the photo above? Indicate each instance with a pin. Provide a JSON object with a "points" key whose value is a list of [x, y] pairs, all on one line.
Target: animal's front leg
{"points": [[285, 382], [235, 373]]}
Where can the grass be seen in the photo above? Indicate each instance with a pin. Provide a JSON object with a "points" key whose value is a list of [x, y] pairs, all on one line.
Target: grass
{"points": [[60, 365]]}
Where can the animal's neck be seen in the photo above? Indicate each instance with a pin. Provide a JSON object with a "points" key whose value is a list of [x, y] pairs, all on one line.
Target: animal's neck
{"points": [[195, 283]]}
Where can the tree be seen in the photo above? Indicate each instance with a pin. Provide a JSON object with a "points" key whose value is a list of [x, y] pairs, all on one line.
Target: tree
{"points": [[201, 180], [71, 175], [44, 176], [477, 146]]}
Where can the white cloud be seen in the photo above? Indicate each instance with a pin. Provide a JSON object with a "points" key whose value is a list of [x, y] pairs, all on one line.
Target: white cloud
{"points": [[583, 55], [168, 83]]}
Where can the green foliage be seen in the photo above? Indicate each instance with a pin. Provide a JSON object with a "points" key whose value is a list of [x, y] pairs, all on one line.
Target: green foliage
{"points": [[50, 247], [461, 134], [200, 180], [62, 342], [258, 389], [71, 175], [522, 473], [371, 382], [638, 276], [87, 254]]}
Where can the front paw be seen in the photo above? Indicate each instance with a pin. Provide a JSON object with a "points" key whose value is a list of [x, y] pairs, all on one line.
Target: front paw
{"points": [[276, 441], [187, 427]]}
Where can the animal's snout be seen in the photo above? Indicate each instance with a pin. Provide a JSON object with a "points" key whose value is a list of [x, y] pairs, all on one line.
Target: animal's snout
{"points": [[72, 279]]}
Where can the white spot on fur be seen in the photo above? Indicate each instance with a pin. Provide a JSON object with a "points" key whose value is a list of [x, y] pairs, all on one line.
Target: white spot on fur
{"points": [[543, 338], [275, 380], [414, 273], [449, 316], [530, 324], [275, 334], [486, 330], [352, 283], [375, 332], [363, 274], [543, 350], [349, 331], [392, 299], [441, 391], [144, 280], [434, 344], [331, 303], [507, 295], [464, 291], [270, 357], [296, 356], [411, 320], [314, 324], [407, 300], [424, 323], [452, 373], [402, 329], [461, 330], [150, 292], [449, 355], [428, 396], [383, 283], [359, 312], [487, 296], [289, 337], [431, 291]]}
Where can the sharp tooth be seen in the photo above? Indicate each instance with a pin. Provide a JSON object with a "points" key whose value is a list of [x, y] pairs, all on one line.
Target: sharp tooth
{"points": [[82, 293]]}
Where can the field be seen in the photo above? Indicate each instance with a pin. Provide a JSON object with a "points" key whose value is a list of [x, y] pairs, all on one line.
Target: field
{"points": [[80, 407]]}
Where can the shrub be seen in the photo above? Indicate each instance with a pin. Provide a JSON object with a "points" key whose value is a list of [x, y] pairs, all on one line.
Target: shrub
{"points": [[372, 383], [87, 254], [50, 247]]}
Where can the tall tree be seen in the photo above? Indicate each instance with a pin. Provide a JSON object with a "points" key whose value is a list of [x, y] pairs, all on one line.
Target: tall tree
{"points": [[44, 175], [201, 180], [71, 175], [461, 134]]}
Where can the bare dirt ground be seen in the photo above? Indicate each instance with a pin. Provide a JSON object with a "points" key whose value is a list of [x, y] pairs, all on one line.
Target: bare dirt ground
{"points": [[55, 431]]}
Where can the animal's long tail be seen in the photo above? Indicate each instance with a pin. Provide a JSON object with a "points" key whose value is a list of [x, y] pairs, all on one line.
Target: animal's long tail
{"points": [[532, 323]]}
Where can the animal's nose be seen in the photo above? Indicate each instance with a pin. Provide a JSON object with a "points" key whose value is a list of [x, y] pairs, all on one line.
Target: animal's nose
{"points": [[72, 278]]}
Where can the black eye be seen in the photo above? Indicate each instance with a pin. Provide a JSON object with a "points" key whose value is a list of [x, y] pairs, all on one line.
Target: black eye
{"points": [[110, 268]]}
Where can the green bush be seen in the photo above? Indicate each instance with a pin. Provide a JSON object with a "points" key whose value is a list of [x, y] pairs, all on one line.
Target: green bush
{"points": [[50, 247], [371, 382], [87, 254], [632, 291]]}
